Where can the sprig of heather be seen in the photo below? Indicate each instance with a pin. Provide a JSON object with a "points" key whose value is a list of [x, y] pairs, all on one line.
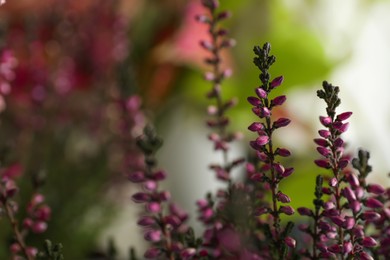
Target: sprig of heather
{"points": [[331, 146], [339, 223], [163, 220], [217, 42], [270, 170], [38, 213]]}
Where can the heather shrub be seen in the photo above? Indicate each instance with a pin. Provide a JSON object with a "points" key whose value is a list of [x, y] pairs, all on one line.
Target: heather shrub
{"points": [[250, 217]]}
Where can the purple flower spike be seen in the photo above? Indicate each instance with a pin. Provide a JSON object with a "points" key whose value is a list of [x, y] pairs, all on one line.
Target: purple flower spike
{"points": [[276, 82]]}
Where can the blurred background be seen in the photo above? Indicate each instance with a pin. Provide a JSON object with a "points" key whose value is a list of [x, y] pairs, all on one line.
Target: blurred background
{"points": [[91, 73]]}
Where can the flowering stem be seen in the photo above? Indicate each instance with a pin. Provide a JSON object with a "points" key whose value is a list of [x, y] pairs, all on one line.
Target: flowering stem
{"points": [[18, 235]]}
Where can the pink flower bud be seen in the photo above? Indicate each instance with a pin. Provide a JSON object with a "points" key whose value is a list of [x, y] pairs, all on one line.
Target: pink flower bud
{"points": [[278, 101], [281, 122], [373, 203], [355, 206], [290, 242], [159, 176], [187, 253], [283, 152], [375, 188], [261, 93], [146, 221], [323, 151], [325, 120], [343, 116], [347, 247], [338, 142], [353, 180], [333, 182], [254, 101], [287, 172], [349, 194], [322, 163], [31, 251], [370, 216], [15, 248], [256, 126], [153, 235], [343, 163], [279, 168], [339, 221], [276, 82], [43, 213], [349, 223], [324, 133], [365, 256], [336, 249], [136, 177], [264, 112], [283, 197], [150, 185], [321, 142], [262, 140], [261, 211], [39, 227], [369, 242], [164, 195], [141, 197], [288, 210], [153, 207]]}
